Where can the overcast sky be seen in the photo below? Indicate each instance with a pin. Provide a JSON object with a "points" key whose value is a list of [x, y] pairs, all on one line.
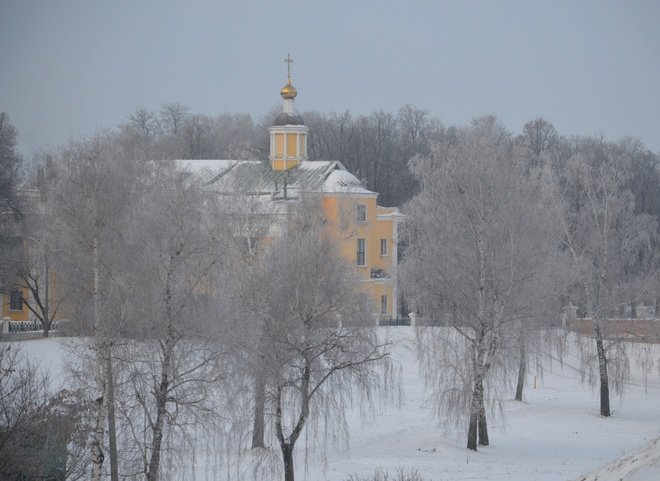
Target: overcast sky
{"points": [[69, 68]]}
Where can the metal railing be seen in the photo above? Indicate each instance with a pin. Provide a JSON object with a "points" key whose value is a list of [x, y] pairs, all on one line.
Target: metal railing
{"points": [[31, 326], [405, 321]]}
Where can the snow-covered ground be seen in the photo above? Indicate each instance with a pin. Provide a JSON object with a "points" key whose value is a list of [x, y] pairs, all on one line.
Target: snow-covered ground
{"points": [[556, 434]]}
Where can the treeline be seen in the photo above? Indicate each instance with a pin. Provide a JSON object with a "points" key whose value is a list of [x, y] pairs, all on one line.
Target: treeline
{"points": [[375, 147]]}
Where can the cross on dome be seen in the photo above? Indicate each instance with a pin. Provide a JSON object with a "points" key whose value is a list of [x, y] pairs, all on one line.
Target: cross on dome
{"points": [[288, 91], [288, 61]]}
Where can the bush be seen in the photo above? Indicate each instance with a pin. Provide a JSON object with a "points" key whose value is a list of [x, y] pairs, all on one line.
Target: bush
{"points": [[382, 475]]}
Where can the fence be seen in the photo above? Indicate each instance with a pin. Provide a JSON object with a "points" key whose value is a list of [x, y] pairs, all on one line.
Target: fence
{"points": [[27, 326], [643, 330], [405, 321]]}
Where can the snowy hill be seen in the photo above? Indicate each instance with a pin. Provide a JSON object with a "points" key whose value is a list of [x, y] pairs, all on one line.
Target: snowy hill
{"points": [[556, 434], [643, 465]]}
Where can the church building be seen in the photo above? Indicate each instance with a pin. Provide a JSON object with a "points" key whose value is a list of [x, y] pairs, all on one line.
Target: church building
{"points": [[368, 231]]}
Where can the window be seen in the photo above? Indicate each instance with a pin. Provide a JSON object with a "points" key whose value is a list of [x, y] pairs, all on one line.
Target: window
{"points": [[383, 304], [383, 247], [362, 213], [361, 251], [16, 301]]}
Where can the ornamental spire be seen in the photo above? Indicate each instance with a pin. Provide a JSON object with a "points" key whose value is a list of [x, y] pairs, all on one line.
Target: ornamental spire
{"points": [[288, 61], [288, 91], [288, 134]]}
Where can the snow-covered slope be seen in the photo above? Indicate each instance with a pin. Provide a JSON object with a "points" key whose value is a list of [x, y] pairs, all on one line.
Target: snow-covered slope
{"points": [[556, 434], [643, 465]]}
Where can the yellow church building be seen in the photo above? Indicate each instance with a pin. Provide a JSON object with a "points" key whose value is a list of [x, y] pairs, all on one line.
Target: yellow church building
{"points": [[367, 232]]}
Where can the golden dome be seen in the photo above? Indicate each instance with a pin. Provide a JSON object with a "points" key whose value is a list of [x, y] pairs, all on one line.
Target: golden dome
{"points": [[288, 91]]}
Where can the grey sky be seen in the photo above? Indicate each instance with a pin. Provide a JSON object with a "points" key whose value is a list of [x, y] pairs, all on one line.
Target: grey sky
{"points": [[68, 68]]}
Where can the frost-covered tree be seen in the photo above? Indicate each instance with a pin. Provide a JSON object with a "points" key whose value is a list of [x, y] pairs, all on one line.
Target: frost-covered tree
{"points": [[476, 240], [540, 137], [23, 394], [609, 244], [244, 297], [173, 355], [10, 211], [42, 433], [10, 161], [322, 349], [95, 190]]}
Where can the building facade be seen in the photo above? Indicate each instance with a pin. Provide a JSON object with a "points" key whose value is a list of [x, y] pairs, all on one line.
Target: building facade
{"points": [[27, 283], [367, 233]]}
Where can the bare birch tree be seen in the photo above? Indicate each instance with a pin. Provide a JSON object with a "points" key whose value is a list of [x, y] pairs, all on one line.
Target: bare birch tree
{"points": [[10, 161], [476, 240], [312, 361], [35, 276], [171, 362], [250, 222], [95, 190], [602, 235]]}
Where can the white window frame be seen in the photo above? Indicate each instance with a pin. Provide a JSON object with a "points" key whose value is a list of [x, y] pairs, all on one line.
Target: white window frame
{"points": [[361, 213], [12, 300], [361, 254]]}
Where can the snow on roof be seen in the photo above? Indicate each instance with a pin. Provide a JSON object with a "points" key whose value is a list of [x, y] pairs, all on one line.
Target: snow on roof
{"points": [[196, 165], [316, 164], [226, 175], [342, 181], [210, 166]]}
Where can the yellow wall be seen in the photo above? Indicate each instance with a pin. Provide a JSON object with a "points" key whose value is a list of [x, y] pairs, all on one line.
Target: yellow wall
{"points": [[341, 212], [282, 164], [57, 307], [287, 154], [291, 145]]}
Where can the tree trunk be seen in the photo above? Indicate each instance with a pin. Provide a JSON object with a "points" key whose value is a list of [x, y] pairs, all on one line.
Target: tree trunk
{"points": [[46, 322], [99, 430], [474, 421], [287, 458], [102, 382], [600, 348], [259, 405], [482, 424], [483, 428], [112, 430], [602, 369], [157, 430], [522, 370], [161, 391], [287, 443]]}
